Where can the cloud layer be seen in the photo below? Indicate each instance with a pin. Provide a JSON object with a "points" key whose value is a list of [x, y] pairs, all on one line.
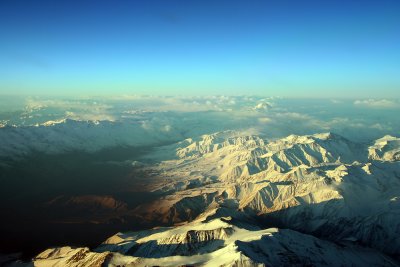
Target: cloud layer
{"points": [[377, 103]]}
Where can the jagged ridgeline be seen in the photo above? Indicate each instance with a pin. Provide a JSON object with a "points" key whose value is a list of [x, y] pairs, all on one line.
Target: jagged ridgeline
{"points": [[243, 200]]}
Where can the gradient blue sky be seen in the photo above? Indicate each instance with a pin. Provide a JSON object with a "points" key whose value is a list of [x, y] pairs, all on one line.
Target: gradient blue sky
{"points": [[288, 48]]}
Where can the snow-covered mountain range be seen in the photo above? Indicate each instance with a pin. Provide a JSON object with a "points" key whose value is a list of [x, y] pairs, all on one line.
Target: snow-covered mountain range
{"points": [[224, 191]]}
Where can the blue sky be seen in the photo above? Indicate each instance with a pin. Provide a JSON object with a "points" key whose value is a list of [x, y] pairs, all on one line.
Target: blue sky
{"points": [[287, 48]]}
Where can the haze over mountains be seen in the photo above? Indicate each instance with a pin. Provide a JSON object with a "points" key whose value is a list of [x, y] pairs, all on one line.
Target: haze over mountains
{"points": [[231, 181], [154, 120]]}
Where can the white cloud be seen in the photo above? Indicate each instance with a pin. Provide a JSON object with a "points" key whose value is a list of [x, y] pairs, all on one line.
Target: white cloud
{"points": [[379, 126], [294, 115], [377, 103], [89, 116], [336, 101], [264, 120], [167, 128]]}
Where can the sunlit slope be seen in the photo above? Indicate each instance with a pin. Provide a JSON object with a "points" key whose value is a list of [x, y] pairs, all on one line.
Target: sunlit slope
{"points": [[322, 184]]}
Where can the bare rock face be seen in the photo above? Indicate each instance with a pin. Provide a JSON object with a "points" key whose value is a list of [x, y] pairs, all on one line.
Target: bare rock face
{"points": [[67, 256]]}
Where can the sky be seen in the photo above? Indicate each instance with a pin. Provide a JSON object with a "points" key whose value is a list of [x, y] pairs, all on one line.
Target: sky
{"points": [[284, 48]]}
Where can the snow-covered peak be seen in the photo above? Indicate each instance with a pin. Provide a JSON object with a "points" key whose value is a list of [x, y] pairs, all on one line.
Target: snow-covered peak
{"points": [[306, 139], [52, 123], [386, 148], [263, 106]]}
